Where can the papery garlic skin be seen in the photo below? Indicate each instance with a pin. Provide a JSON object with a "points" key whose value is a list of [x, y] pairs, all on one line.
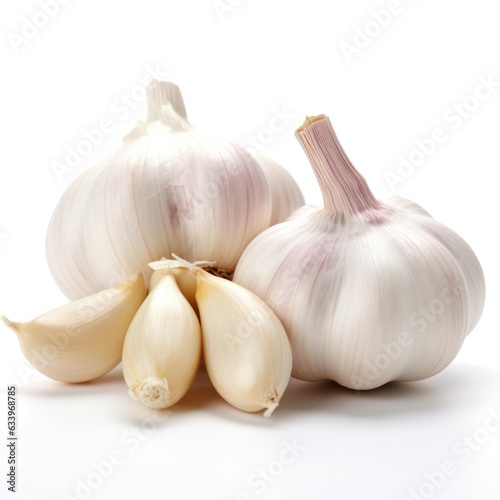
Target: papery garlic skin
{"points": [[168, 189], [285, 192], [162, 347], [246, 351], [83, 340], [368, 292]]}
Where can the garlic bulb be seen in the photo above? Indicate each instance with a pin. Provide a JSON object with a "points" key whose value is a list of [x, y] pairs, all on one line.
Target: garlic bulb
{"points": [[368, 291], [168, 189], [162, 348], [82, 340]]}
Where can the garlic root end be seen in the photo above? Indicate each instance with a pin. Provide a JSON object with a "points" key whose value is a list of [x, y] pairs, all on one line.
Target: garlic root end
{"points": [[153, 393], [271, 403]]}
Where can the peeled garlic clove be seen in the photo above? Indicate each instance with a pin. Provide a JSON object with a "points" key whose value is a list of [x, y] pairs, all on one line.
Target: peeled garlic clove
{"points": [[82, 340], [162, 348], [246, 350]]}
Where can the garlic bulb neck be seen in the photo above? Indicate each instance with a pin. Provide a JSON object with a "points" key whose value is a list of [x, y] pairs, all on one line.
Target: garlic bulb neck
{"points": [[165, 104], [344, 189]]}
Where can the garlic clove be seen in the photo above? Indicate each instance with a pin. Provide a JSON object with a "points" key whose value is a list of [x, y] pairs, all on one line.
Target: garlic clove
{"points": [[82, 340], [247, 353], [162, 348]]}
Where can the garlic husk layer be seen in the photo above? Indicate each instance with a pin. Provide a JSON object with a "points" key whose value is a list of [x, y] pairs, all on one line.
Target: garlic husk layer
{"points": [[162, 348], [168, 189], [368, 291], [246, 351], [285, 192], [83, 340]]}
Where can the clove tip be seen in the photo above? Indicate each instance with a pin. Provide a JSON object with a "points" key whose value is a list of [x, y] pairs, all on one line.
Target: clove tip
{"points": [[8, 322]]}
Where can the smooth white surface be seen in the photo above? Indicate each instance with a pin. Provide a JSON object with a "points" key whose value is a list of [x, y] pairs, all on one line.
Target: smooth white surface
{"points": [[263, 59]]}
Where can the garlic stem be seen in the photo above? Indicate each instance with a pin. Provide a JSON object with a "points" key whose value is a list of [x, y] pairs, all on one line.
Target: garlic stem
{"points": [[165, 103], [344, 190]]}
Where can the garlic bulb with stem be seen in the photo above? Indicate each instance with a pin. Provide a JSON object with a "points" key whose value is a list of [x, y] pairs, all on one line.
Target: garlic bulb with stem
{"points": [[368, 291], [83, 340], [168, 189], [162, 347]]}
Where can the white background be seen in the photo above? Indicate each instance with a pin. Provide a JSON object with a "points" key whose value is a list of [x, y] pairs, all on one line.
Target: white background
{"points": [[236, 67]]}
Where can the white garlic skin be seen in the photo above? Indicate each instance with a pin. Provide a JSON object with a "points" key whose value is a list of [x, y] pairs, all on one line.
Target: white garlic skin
{"points": [[285, 192], [367, 302], [169, 189]]}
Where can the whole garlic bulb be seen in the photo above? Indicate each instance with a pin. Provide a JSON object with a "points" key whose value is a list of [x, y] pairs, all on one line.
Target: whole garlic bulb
{"points": [[368, 291], [169, 189]]}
